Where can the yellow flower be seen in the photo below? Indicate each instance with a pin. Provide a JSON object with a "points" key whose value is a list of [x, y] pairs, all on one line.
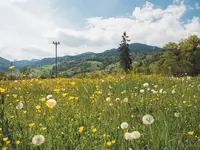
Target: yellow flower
{"points": [[43, 128], [72, 83], [5, 139], [12, 117], [14, 95], [4, 148], [94, 130], [7, 142], [104, 135], [109, 143], [191, 132], [80, 129], [113, 141], [24, 111], [17, 142], [38, 107], [71, 97], [2, 90], [57, 90], [11, 67], [31, 124], [64, 94], [43, 99], [0, 129]]}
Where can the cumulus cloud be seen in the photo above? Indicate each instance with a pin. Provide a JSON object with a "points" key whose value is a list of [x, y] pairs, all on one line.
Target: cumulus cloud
{"points": [[28, 28], [148, 24], [197, 6]]}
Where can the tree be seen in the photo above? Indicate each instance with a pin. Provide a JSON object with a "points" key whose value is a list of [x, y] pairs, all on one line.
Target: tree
{"points": [[25, 71], [125, 57]]}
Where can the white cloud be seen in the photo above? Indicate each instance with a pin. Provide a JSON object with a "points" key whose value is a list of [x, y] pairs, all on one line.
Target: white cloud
{"points": [[28, 28], [197, 6], [148, 24]]}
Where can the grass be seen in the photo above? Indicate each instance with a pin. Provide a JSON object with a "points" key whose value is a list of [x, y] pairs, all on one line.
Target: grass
{"points": [[82, 103]]}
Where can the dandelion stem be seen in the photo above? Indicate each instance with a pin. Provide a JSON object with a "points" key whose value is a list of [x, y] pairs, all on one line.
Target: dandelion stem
{"points": [[152, 137]]}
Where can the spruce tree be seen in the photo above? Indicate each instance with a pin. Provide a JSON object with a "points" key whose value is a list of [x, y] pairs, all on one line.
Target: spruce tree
{"points": [[125, 57]]}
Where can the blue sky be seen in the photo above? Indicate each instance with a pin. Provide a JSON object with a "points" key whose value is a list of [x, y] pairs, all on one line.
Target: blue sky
{"points": [[28, 27]]}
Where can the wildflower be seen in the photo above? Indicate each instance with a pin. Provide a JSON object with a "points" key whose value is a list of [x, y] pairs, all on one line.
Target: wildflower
{"points": [[117, 99], [14, 95], [135, 134], [109, 143], [57, 90], [141, 91], [2, 90], [71, 97], [5, 139], [161, 91], [17, 142], [19, 105], [38, 107], [104, 135], [108, 99], [191, 132], [113, 141], [49, 96], [43, 128], [12, 117], [94, 130], [173, 91], [11, 67], [111, 104], [145, 84], [43, 99], [176, 114], [147, 119], [125, 100], [128, 136], [64, 94], [73, 83], [51, 103], [4, 148], [38, 140], [80, 129], [31, 124], [124, 125]]}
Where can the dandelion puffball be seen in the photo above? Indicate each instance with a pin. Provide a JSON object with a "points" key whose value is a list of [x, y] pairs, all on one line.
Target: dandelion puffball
{"points": [[19, 105], [135, 134], [147, 119], [124, 125], [51, 103], [128, 136], [38, 140], [49, 96]]}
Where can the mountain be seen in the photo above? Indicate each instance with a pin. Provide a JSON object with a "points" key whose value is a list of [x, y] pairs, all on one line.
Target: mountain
{"points": [[4, 64], [87, 62]]}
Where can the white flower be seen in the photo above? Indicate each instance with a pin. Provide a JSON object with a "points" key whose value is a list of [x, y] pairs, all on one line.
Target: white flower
{"points": [[117, 99], [173, 91], [124, 125], [148, 89], [176, 114], [161, 91], [141, 91], [19, 105], [111, 104], [125, 100], [188, 78], [38, 140], [108, 99], [155, 86], [130, 148], [110, 86], [128, 136], [135, 134], [147, 119], [145, 84], [51, 103], [49, 96]]}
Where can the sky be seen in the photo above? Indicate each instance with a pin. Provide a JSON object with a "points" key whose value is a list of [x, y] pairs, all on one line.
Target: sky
{"points": [[28, 27]]}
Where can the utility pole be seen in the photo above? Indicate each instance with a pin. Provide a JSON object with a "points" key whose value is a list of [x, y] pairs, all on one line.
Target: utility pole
{"points": [[56, 43]]}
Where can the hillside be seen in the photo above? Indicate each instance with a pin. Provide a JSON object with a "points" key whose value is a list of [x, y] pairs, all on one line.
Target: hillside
{"points": [[83, 63], [4, 64]]}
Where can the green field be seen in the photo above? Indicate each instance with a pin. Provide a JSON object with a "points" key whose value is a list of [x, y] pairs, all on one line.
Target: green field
{"points": [[89, 112]]}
